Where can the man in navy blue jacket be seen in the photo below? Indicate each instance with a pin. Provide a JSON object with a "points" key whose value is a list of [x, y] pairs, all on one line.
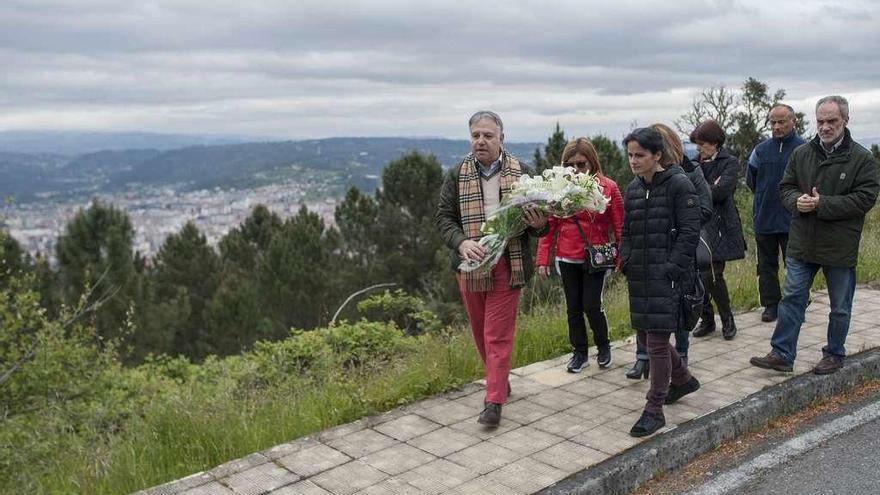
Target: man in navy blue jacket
{"points": [[771, 219]]}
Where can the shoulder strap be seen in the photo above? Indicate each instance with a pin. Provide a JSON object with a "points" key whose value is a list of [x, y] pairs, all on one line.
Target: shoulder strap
{"points": [[581, 230]]}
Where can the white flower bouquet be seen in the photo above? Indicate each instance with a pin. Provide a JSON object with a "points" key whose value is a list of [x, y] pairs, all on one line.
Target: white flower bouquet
{"points": [[559, 191]]}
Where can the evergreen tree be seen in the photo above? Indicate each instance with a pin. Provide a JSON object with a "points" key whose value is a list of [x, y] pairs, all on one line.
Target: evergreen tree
{"points": [[552, 151], [357, 218], [235, 317], [242, 247], [13, 259], [407, 234], [298, 273], [875, 150], [613, 160], [186, 275], [95, 259]]}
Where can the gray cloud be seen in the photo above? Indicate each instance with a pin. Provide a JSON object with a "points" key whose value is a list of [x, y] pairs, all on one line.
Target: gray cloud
{"points": [[310, 69]]}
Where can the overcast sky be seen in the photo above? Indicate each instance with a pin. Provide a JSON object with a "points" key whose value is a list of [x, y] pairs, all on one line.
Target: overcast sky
{"points": [[306, 69]]}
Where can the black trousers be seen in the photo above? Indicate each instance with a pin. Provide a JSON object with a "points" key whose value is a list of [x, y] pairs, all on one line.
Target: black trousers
{"points": [[716, 290], [769, 248], [583, 294]]}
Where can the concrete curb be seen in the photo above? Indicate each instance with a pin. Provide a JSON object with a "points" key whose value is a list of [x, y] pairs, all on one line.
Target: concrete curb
{"points": [[624, 473]]}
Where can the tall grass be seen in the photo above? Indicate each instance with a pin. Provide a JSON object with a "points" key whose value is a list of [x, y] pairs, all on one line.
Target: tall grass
{"points": [[208, 419]]}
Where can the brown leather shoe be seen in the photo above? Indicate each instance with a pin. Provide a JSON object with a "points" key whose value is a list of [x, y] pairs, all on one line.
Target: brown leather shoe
{"points": [[771, 361], [828, 364]]}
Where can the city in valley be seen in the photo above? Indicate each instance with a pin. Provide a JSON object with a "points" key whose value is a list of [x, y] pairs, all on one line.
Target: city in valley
{"points": [[156, 213]]}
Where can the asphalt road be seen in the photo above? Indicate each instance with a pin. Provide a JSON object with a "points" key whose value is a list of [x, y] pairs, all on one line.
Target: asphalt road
{"points": [[837, 457], [846, 465]]}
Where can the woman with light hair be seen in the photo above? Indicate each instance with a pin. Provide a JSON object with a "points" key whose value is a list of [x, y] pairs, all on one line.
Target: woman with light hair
{"points": [[569, 237]]}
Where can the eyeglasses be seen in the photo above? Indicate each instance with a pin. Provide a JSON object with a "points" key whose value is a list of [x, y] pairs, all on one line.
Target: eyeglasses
{"points": [[577, 164]]}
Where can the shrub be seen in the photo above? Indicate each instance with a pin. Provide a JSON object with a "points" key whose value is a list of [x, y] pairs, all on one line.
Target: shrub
{"points": [[366, 342], [406, 311]]}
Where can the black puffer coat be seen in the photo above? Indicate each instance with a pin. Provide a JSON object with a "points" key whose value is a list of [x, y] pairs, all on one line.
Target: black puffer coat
{"points": [[724, 230], [661, 228]]}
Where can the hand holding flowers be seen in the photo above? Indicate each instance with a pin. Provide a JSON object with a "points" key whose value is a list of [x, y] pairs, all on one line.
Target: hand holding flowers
{"points": [[559, 191]]}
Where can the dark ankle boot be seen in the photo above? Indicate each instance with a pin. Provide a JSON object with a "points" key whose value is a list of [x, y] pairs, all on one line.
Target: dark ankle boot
{"points": [[706, 326], [648, 424], [491, 415], [640, 369], [728, 327], [678, 391]]}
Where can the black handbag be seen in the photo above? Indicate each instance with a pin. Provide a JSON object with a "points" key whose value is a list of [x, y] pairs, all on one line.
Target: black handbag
{"points": [[600, 257], [691, 305], [703, 257]]}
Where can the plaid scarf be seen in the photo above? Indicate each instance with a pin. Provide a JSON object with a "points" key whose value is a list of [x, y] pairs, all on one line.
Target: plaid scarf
{"points": [[470, 200]]}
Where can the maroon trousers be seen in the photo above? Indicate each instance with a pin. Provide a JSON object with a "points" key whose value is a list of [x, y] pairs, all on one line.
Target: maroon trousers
{"points": [[665, 367], [492, 316]]}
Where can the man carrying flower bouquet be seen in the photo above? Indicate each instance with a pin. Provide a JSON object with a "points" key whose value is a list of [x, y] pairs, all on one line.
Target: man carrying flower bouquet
{"points": [[471, 192]]}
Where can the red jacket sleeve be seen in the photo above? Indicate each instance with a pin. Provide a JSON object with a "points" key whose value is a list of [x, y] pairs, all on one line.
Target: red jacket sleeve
{"points": [[615, 214], [545, 243], [615, 206]]}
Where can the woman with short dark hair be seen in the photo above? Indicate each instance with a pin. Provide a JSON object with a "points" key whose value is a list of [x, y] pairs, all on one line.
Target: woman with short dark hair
{"points": [[568, 238], [673, 156], [661, 229], [724, 230]]}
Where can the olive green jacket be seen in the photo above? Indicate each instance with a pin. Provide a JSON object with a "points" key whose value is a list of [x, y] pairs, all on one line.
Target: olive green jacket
{"points": [[448, 218], [847, 182]]}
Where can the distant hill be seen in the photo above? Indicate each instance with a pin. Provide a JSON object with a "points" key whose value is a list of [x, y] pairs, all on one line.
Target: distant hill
{"points": [[337, 163], [77, 143], [22, 175]]}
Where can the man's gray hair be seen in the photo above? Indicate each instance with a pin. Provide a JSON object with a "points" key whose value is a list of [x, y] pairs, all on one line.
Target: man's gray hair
{"points": [[787, 107], [486, 114], [842, 104]]}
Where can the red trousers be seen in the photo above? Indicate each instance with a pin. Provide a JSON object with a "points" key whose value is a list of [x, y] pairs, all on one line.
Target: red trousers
{"points": [[493, 322]]}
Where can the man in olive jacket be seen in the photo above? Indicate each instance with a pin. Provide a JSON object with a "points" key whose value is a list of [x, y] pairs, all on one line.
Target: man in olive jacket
{"points": [[472, 191], [829, 186]]}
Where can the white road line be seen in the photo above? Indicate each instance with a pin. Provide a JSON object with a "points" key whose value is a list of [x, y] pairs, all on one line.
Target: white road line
{"points": [[738, 477]]}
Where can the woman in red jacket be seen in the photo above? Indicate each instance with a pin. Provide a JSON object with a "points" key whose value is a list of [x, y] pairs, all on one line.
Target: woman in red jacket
{"points": [[583, 288]]}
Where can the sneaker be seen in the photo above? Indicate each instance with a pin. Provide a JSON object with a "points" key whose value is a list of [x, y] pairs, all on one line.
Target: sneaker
{"points": [[491, 415], [577, 363], [648, 424], [770, 314], [771, 361], [604, 357], [678, 391], [829, 364]]}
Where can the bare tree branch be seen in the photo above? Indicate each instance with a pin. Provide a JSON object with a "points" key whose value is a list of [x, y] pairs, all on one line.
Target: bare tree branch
{"points": [[349, 298]]}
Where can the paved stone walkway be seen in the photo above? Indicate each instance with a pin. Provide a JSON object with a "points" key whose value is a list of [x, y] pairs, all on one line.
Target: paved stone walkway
{"points": [[555, 424]]}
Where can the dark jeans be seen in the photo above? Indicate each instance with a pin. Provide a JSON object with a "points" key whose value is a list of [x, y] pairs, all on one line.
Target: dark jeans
{"points": [[583, 294], [769, 247], [666, 367], [716, 289], [799, 277]]}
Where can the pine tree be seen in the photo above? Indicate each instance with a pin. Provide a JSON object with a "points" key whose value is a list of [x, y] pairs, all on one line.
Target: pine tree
{"points": [[186, 275], [242, 247], [552, 151], [95, 258], [407, 234], [298, 281], [357, 219], [613, 160], [875, 150]]}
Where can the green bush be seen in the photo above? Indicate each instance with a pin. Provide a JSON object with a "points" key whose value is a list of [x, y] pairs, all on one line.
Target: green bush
{"points": [[366, 342], [408, 312]]}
